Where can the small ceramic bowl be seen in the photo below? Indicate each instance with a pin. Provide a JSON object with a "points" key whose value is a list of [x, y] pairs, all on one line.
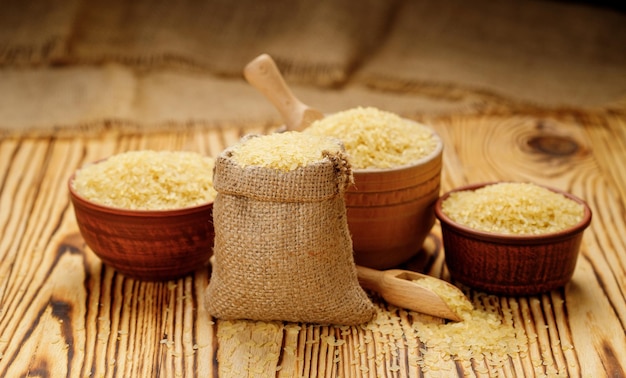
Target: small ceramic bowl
{"points": [[391, 211], [510, 264], [144, 244]]}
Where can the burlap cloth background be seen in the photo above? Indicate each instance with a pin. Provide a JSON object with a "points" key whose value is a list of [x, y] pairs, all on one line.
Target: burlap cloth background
{"points": [[152, 65]]}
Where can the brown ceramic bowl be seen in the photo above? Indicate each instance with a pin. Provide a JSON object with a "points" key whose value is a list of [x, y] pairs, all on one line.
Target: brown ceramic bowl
{"points": [[391, 211], [147, 245], [510, 264]]}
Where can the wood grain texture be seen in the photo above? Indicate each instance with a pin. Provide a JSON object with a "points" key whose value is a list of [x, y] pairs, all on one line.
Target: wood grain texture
{"points": [[64, 314]]}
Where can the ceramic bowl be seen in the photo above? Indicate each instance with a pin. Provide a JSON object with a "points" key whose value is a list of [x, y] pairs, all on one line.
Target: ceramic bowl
{"points": [[510, 264], [391, 211], [147, 245]]}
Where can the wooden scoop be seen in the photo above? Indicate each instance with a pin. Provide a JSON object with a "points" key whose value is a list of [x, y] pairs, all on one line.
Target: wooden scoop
{"points": [[263, 74], [396, 286]]}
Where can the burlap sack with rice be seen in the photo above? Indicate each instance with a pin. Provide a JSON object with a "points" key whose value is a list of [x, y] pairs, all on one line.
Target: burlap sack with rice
{"points": [[282, 246]]}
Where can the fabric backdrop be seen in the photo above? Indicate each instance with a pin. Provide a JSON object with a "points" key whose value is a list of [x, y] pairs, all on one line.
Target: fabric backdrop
{"points": [[155, 64]]}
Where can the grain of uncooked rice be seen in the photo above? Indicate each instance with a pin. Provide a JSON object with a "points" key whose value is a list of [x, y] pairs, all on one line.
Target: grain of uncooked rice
{"points": [[377, 139], [513, 208], [454, 298], [283, 151], [148, 180]]}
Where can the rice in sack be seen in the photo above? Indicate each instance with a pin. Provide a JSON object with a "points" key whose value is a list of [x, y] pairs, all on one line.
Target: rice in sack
{"points": [[282, 246]]}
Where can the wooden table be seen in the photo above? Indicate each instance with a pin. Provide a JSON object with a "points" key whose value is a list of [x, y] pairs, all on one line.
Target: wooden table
{"points": [[62, 313]]}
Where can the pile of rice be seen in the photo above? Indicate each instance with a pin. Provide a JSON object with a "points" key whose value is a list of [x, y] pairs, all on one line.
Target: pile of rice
{"points": [[376, 139], [148, 180], [513, 208], [283, 151]]}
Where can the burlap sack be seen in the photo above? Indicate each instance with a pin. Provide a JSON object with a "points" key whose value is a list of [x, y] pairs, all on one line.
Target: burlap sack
{"points": [[282, 246]]}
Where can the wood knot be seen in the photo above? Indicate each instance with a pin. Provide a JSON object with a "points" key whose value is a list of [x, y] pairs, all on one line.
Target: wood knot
{"points": [[72, 243], [554, 145]]}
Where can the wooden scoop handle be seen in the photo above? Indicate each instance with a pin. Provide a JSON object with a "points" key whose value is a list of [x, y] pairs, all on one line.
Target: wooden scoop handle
{"points": [[263, 74], [405, 293]]}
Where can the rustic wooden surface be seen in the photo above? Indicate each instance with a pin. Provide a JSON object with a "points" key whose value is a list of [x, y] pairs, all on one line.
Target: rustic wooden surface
{"points": [[62, 313]]}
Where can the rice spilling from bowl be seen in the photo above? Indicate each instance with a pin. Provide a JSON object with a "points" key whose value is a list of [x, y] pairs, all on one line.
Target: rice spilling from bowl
{"points": [[513, 208], [286, 151], [148, 180], [377, 139]]}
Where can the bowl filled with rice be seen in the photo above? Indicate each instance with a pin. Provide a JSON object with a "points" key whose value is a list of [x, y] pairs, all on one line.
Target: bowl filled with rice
{"points": [[147, 214], [512, 238], [396, 164]]}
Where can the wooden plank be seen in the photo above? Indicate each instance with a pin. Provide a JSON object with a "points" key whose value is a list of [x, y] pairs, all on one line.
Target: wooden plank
{"points": [[62, 313]]}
